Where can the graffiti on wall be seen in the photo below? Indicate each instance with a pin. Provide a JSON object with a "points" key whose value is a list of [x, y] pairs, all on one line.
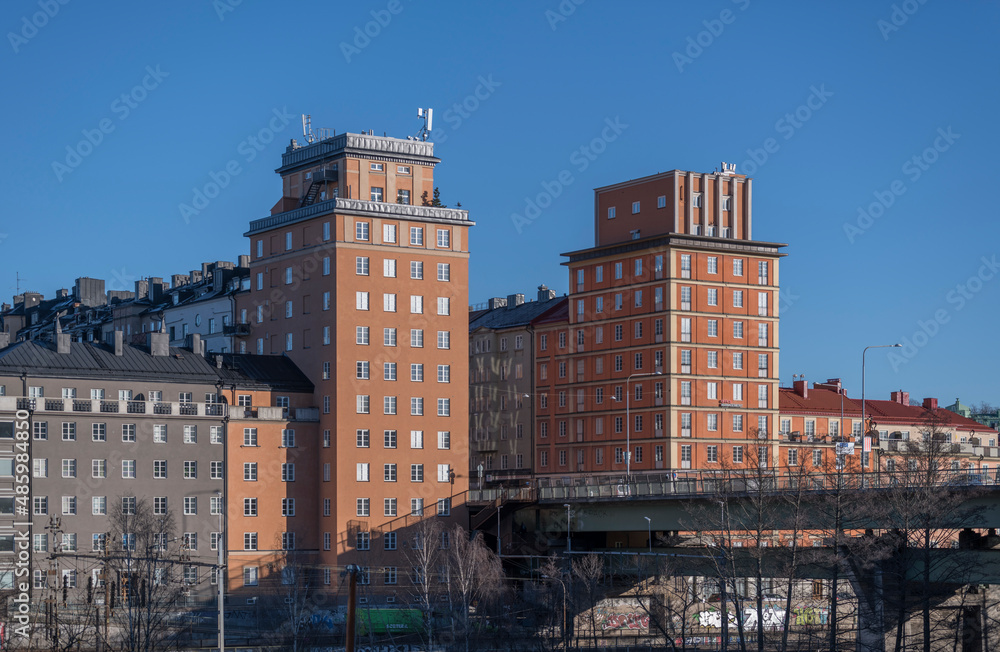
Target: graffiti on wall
{"points": [[774, 618]]}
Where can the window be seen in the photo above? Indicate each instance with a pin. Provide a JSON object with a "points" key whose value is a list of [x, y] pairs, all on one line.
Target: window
{"points": [[389, 233], [416, 439], [69, 468], [40, 430], [361, 230], [389, 507], [712, 454], [69, 431], [288, 472], [98, 505], [416, 305], [444, 271], [416, 235], [159, 433], [361, 300], [249, 436], [737, 454], [388, 337], [190, 505], [443, 238], [738, 330], [713, 297], [288, 507], [363, 404], [635, 207], [288, 281], [444, 407], [361, 370], [128, 469], [190, 434], [443, 306], [159, 469], [712, 359], [711, 391], [416, 338], [250, 543], [361, 265], [713, 328], [737, 360], [69, 505], [389, 472], [190, 470], [444, 507], [416, 406], [444, 472], [376, 194]]}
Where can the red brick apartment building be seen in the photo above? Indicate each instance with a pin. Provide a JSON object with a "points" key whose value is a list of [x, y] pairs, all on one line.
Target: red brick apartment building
{"points": [[814, 420], [364, 285], [670, 347]]}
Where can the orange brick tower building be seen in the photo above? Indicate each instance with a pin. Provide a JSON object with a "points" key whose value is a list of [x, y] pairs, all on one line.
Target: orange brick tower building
{"points": [[364, 285], [669, 358]]}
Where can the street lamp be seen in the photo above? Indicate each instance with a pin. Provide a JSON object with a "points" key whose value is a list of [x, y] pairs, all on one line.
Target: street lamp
{"points": [[649, 532], [220, 575], [864, 425], [628, 423], [499, 507], [569, 534]]}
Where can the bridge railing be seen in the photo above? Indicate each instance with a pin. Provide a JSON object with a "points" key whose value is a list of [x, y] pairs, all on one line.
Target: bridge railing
{"points": [[700, 483]]}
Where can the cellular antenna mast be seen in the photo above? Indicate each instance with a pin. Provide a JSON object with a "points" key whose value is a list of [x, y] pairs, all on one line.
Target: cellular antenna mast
{"points": [[428, 116], [307, 128]]}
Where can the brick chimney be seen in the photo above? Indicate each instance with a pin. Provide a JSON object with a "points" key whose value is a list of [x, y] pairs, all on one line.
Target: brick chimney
{"points": [[931, 403], [901, 397], [801, 388]]}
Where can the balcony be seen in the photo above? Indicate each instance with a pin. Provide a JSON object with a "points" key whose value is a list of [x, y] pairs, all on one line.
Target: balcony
{"points": [[10, 404], [236, 329]]}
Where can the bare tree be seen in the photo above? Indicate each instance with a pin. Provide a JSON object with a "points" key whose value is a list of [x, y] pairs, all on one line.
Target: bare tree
{"points": [[143, 566], [425, 557], [475, 578], [289, 597]]}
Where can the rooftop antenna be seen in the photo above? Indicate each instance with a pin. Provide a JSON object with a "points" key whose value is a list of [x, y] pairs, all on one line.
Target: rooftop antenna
{"points": [[18, 280], [428, 116], [307, 128]]}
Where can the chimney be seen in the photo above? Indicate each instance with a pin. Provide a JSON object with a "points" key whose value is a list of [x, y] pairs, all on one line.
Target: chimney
{"points": [[218, 362], [4, 340], [159, 343], [244, 260], [62, 293], [119, 342], [545, 294], [931, 403], [901, 397], [801, 388], [496, 302], [514, 300], [62, 339], [195, 344]]}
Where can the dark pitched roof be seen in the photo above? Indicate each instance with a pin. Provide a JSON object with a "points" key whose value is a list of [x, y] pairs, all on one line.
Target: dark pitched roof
{"points": [[88, 360], [512, 317]]}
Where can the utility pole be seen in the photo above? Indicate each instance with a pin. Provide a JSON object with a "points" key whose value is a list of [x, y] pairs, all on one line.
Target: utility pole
{"points": [[352, 589]]}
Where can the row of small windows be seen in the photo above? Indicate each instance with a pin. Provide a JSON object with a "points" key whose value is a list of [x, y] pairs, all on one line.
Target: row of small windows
{"points": [[416, 405], [444, 473], [661, 202], [67, 542], [99, 505], [363, 507], [711, 267], [363, 371], [99, 432], [362, 267], [389, 303], [98, 394], [711, 330], [362, 336], [362, 229], [99, 469]]}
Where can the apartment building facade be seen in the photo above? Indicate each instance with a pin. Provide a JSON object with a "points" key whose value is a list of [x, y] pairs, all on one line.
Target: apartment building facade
{"points": [[502, 387], [363, 284], [670, 346]]}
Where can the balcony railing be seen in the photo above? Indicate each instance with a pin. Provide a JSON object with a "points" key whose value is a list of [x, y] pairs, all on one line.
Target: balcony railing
{"points": [[11, 403]]}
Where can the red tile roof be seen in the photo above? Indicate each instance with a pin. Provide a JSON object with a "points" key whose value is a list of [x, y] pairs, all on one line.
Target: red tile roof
{"points": [[826, 402]]}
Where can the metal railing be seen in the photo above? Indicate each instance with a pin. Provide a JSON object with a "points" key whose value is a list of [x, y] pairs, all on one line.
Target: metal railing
{"points": [[701, 483]]}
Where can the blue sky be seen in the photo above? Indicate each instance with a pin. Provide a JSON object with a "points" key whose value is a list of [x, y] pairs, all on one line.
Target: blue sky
{"points": [[116, 113]]}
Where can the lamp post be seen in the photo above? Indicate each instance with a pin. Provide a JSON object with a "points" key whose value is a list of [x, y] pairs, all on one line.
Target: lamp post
{"points": [[649, 532], [569, 533], [628, 423], [220, 577], [864, 425], [563, 585], [499, 507]]}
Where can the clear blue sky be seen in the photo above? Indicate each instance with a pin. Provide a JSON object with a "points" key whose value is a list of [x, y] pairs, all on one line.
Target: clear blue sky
{"points": [[849, 92]]}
